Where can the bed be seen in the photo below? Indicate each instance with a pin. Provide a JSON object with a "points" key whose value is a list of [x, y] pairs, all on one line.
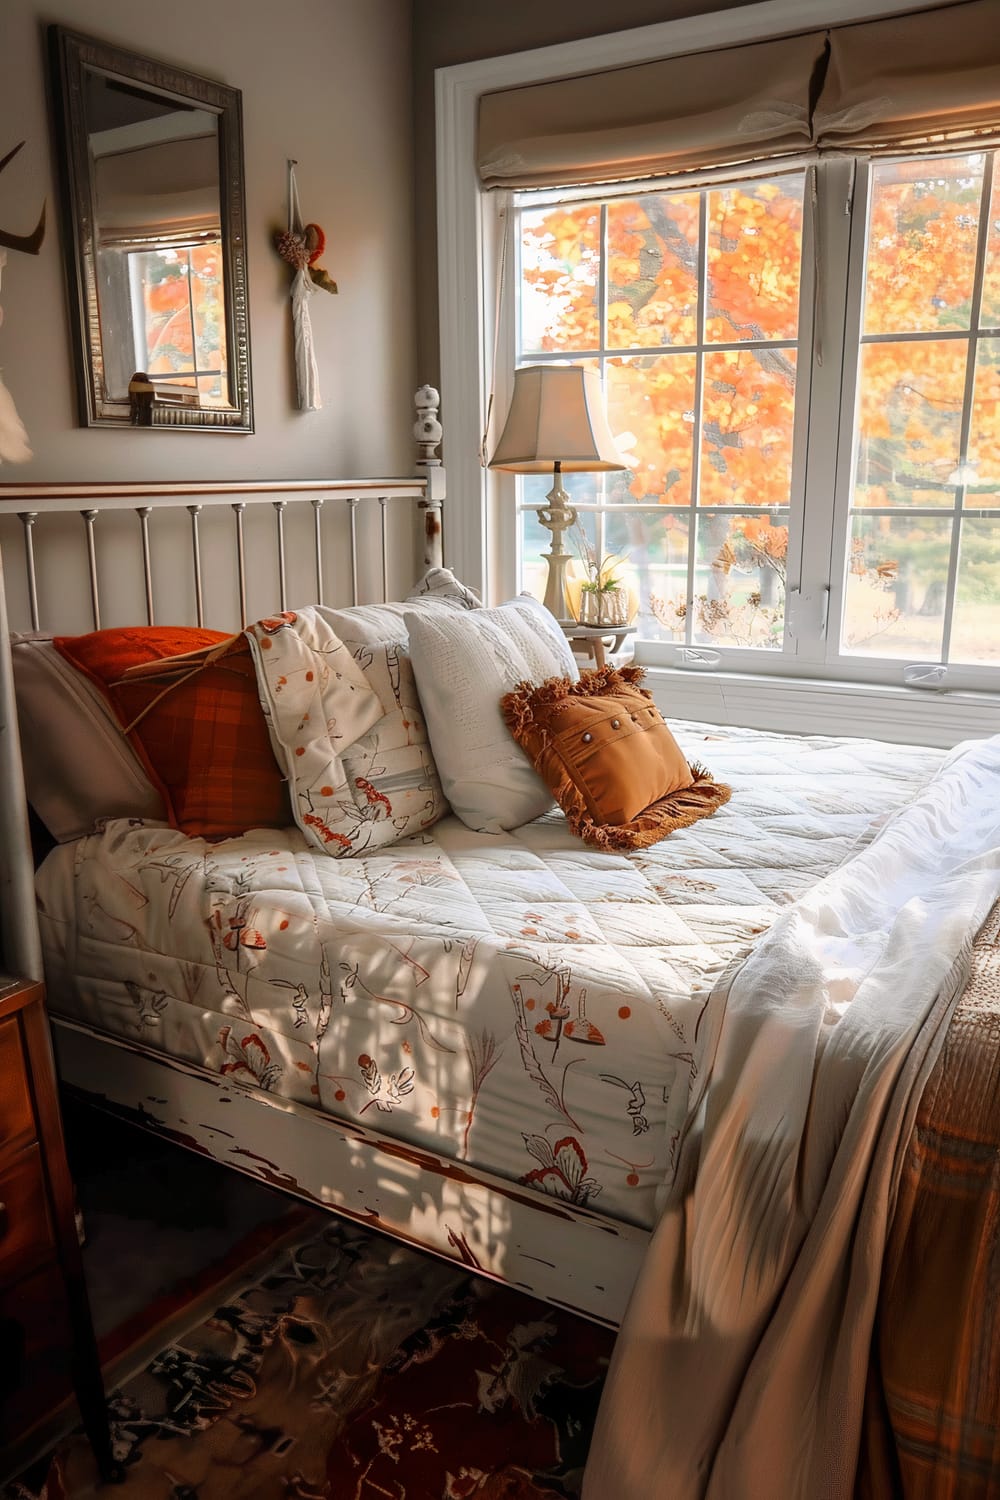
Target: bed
{"points": [[483, 1044]]}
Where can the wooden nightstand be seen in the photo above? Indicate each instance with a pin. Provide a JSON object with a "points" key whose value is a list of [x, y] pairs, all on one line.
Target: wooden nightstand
{"points": [[47, 1343]]}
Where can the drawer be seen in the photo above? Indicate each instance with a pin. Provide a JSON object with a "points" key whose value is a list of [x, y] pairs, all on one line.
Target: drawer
{"points": [[35, 1344], [25, 1232], [17, 1120]]}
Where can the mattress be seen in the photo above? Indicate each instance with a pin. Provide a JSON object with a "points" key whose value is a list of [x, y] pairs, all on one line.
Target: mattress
{"points": [[515, 1001]]}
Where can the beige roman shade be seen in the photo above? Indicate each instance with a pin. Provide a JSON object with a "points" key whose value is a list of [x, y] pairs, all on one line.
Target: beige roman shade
{"points": [[679, 114], [928, 77], [932, 77]]}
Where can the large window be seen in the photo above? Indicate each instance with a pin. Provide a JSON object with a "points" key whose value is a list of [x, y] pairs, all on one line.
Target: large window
{"points": [[809, 404]]}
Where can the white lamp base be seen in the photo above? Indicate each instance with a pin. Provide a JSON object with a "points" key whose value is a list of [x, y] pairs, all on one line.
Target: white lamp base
{"points": [[558, 517]]}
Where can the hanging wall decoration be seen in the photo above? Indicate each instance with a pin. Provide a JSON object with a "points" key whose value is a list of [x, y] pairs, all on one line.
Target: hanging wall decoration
{"points": [[301, 245], [14, 448]]}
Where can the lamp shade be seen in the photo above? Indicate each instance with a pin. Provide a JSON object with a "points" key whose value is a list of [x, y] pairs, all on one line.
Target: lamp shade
{"points": [[556, 416]]}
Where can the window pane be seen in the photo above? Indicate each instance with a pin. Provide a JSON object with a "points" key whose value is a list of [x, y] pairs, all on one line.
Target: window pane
{"points": [[897, 578], [740, 580], [922, 244], [989, 316], [208, 303], [213, 390], [754, 261], [748, 415], [653, 271], [653, 400], [655, 548], [975, 627], [560, 256], [165, 307], [984, 435], [910, 422]]}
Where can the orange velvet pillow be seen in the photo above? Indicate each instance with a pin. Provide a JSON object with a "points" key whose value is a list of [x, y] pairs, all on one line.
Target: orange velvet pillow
{"points": [[196, 724], [602, 748]]}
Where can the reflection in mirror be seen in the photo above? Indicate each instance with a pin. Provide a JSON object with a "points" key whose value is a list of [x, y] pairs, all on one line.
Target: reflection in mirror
{"points": [[158, 243]]}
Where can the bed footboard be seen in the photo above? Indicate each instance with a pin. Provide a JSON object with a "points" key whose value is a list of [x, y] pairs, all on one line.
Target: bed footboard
{"points": [[568, 1256]]}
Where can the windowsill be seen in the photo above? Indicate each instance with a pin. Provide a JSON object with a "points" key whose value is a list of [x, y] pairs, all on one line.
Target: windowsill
{"points": [[805, 705]]}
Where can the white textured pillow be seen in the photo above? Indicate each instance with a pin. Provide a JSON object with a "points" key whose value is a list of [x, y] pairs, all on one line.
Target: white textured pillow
{"points": [[383, 624], [464, 664]]}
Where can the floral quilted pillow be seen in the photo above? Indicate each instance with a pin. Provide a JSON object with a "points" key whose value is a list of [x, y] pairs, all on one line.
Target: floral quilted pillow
{"points": [[346, 725], [391, 767]]}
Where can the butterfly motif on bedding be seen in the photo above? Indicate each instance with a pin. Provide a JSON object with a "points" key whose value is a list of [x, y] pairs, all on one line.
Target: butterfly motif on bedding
{"points": [[249, 1056], [562, 1171]]}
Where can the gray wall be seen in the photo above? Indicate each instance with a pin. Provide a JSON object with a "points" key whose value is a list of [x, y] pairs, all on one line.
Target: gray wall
{"points": [[325, 81], [446, 32]]}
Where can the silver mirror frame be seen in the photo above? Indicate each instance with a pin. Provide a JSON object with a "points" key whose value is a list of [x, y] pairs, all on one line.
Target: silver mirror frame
{"points": [[71, 54]]}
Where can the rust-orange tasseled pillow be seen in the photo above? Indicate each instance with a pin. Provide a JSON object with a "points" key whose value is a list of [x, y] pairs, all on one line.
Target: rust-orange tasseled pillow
{"points": [[610, 761]]}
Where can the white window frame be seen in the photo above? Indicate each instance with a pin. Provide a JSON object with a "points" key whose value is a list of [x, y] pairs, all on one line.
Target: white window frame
{"points": [[481, 531]]}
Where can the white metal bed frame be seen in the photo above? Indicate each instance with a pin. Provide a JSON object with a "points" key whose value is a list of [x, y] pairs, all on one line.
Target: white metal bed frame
{"points": [[569, 1256]]}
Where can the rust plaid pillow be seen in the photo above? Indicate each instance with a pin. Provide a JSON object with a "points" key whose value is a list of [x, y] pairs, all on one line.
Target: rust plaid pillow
{"points": [[195, 721]]}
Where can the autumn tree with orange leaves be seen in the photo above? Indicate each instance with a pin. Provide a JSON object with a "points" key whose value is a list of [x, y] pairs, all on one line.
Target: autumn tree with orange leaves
{"points": [[732, 439]]}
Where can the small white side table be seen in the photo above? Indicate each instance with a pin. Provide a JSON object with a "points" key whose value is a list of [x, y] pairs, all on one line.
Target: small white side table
{"points": [[598, 638]]}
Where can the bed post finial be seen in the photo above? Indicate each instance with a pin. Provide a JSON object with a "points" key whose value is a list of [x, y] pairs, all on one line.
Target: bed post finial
{"points": [[428, 432], [427, 428]]}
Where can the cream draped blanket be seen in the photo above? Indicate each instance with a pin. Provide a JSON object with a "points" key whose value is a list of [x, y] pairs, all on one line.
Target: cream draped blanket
{"points": [[739, 1372]]}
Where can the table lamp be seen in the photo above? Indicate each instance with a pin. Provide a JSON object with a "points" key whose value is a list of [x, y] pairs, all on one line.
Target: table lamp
{"points": [[556, 420]]}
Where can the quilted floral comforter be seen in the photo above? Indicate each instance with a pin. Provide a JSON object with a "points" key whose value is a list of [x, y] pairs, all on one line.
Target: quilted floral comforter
{"points": [[515, 1000]]}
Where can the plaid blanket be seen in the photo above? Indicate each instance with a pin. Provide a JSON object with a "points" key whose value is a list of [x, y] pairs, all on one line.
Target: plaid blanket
{"points": [[932, 1413]]}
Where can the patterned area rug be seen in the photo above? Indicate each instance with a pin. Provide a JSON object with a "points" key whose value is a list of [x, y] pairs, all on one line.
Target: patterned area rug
{"points": [[354, 1368]]}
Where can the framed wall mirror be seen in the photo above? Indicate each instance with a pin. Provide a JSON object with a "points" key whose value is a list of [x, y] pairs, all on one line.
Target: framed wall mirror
{"points": [[155, 239]]}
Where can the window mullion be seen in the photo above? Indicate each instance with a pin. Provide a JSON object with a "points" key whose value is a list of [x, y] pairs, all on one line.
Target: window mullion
{"points": [[699, 411], [828, 248], [850, 295], [967, 399]]}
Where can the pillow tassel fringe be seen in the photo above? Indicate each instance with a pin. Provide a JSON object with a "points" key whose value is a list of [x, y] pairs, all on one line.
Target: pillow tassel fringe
{"points": [[680, 809], [541, 732]]}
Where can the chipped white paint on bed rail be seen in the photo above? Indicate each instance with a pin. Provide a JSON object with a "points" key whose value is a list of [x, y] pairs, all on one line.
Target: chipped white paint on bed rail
{"points": [[569, 1256]]}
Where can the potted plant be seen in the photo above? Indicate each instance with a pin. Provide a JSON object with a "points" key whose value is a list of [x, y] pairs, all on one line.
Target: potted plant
{"points": [[605, 599]]}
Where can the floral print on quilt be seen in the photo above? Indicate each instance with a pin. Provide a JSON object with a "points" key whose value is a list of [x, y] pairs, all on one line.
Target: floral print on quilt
{"points": [[347, 732]]}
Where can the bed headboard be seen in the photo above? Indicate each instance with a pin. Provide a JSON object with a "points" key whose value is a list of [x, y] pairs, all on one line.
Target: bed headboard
{"points": [[78, 557]]}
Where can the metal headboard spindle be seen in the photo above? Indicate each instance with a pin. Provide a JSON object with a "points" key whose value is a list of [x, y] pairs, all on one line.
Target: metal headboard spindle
{"points": [[143, 512], [89, 517], [354, 502], [279, 512], [317, 506], [28, 519], [199, 598]]}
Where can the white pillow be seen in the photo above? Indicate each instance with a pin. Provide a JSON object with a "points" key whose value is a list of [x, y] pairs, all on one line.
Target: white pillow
{"points": [[464, 664], [383, 624]]}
